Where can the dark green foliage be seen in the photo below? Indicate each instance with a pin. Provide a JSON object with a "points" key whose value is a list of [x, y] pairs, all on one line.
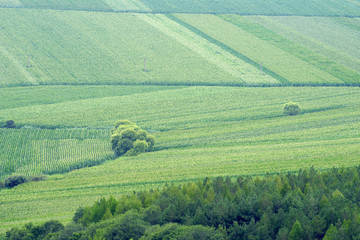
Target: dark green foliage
{"points": [[70, 231], [177, 231], [32, 232], [15, 180], [128, 226], [10, 124], [306, 205], [127, 138], [291, 108]]}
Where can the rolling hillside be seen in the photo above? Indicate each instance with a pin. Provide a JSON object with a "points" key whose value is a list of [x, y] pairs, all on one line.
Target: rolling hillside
{"points": [[208, 78], [84, 47], [200, 131]]}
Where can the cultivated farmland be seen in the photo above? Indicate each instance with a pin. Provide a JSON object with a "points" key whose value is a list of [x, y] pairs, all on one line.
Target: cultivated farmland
{"points": [[222, 131], [210, 87], [33, 152], [112, 48]]}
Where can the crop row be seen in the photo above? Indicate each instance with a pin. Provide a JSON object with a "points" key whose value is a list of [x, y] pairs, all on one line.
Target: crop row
{"points": [[39, 151]]}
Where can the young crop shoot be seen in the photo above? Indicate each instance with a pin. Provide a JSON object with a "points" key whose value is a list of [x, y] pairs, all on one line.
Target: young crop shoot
{"points": [[291, 108], [130, 140]]}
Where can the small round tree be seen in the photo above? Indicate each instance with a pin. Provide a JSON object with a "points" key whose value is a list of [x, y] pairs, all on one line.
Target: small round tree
{"points": [[291, 108], [129, 139]]}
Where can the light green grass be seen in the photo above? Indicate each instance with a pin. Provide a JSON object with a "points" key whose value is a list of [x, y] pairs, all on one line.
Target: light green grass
{"points": [[262, 52], [200, 131], [308, 42], [101, 48], [327, 31], [18, 97], [97, 48], [326, 64]]}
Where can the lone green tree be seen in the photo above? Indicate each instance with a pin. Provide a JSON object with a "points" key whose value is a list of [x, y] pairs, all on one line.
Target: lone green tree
{"points": [[130, 140], [291, 108]]}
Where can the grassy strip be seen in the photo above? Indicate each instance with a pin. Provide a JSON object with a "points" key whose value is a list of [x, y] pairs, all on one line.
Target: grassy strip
{"points": [[349, 76], [281, 79]]}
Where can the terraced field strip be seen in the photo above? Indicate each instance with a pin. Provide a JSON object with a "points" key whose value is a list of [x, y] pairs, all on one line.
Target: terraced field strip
{"points": [[324, 63], [45, 95], [308, 42], [277, 60], [173, 108], [213, 53], [38, 151], [327, 31]]}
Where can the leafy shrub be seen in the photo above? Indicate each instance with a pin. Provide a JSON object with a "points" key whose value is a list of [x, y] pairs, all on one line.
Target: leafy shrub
{"points": [[13, 181], [10, 124], [127, 138], [31, 231], [291, 108]]}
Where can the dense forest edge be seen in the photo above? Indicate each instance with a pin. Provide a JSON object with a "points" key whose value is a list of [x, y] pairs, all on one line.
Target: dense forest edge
{"points": [[308, 204]]}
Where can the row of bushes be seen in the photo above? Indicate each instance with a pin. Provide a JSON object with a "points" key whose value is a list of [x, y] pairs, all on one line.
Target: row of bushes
{"points": [[15, 180]]}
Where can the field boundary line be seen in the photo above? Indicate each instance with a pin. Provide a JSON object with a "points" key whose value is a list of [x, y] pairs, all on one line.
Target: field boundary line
{"points": [[244, 58], [213, 53]]}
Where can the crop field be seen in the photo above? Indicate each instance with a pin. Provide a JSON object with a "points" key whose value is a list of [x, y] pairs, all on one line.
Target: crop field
{"points": [[311, 43], [32, 152], [292, 62], [71, 47], [247, 7], [92, 48], [221, 131], [209, 79]]}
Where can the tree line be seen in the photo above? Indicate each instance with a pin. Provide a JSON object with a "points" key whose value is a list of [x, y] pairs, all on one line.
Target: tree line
{"points": [[305, 205]]}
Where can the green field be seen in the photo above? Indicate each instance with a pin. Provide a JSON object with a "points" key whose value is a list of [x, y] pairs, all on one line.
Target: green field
{"points": [[200, 131], [70, 47], [209, 79], [32, 152]]}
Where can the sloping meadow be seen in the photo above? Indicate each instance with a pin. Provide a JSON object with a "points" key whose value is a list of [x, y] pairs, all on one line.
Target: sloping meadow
{"points": [[72, 47], [200, 131]]}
